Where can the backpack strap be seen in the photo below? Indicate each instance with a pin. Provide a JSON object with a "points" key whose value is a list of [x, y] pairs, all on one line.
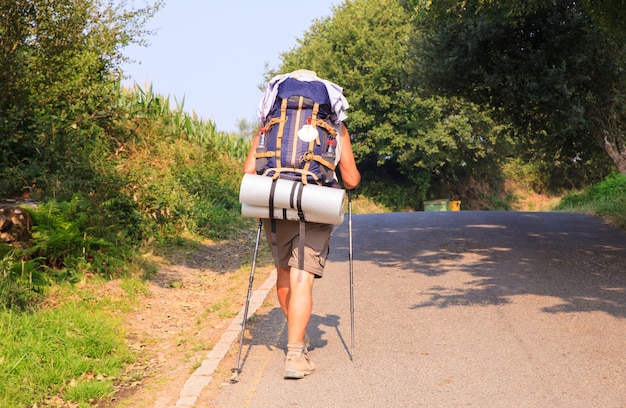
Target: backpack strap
{"points": [[290, 170], [301, 235], [294, 138], [331, 131], [324, 162], [308, 156], [281, 131], [295, 198], [263, 154], [325, 125], [280, 121], [273, 223]]}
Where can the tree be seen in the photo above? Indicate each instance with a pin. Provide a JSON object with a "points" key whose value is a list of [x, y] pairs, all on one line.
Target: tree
{"points": [[58, 84], [404, 144], [546, 66]]}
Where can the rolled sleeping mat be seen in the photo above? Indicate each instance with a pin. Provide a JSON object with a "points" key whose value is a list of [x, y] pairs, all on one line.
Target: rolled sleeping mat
{"points": [[324, 204], [289, 214]]}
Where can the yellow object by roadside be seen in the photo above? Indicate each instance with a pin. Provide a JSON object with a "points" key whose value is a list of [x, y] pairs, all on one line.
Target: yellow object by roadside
{"points": [[455, 205]]}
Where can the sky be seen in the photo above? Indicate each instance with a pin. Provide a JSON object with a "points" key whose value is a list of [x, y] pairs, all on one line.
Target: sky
{"points": [[214, 53]]}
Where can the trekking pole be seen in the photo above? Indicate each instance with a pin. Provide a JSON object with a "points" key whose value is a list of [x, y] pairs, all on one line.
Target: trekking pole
{"points": [[351, 273], [237, 369]]}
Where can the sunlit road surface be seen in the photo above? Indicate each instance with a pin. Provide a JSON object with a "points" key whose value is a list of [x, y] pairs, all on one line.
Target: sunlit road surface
{"points": [[456, 309]]}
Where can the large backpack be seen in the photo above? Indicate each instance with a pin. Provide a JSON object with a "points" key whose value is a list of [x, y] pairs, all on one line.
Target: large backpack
{"points": [[296, 135]]}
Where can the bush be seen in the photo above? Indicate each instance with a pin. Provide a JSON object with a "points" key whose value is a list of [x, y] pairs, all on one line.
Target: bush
{"points": [[606, 199], [150, 174]]}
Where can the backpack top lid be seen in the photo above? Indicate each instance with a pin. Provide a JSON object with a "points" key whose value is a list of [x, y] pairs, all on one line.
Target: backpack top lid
{"points": [[315, 90], [336, 101]]}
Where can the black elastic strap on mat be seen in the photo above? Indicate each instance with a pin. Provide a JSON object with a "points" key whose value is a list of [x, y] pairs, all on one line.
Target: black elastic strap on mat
{"points": [[273, 223], [301, 239], [292, 195]]}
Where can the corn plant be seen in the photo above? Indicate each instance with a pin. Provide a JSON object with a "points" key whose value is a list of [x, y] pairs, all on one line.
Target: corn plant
{"points": [[145, 103]]}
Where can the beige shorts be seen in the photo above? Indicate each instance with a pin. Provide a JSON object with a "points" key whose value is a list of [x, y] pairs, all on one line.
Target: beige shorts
{"points": [[316, 246]]}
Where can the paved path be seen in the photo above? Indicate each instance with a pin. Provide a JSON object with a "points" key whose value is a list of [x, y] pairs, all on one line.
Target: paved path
{"points": [[457, 309]]}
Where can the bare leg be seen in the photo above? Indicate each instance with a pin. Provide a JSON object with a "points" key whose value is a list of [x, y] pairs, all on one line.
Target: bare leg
{"points": [[282, 288], [295, 295], [300, 304], [299, 307]]}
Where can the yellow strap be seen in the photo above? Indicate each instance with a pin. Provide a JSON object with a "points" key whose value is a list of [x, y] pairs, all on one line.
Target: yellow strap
{"points": [[271, 123], [325, 162], [281, 130], [316, 109], [264, 154], [326, 126], [293, 170], [322, 123]]}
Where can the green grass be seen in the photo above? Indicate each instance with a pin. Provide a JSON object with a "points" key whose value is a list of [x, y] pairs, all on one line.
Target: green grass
{"points": [[73, 352], [606, 199]]}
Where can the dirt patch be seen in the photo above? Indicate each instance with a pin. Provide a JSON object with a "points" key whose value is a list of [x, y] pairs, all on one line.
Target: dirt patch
{"points": [[189, 304]]}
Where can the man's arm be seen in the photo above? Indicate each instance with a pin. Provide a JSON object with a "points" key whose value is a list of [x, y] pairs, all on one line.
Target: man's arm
{"points": [[250, 163], [347, 166]]}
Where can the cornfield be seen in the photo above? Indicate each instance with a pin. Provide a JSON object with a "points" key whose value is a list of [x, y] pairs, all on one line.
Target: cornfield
{"points": [[145, 103]]}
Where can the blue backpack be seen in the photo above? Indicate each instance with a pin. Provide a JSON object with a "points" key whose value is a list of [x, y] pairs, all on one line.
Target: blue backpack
{"points": [[298, 140]]}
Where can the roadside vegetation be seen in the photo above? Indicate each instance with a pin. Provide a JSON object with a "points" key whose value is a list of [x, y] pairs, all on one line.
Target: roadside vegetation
{"points": [[606, 200], [175, 180], [112, 176]]}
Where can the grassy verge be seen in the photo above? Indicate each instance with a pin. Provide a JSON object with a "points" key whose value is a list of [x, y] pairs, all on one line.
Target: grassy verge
{"points": [[70, 351], [606, 199]]}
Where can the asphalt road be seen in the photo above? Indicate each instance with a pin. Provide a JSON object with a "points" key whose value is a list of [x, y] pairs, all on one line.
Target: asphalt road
{"points": [[456, 309]]}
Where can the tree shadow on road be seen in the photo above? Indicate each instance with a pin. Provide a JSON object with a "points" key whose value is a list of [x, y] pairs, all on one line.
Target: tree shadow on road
{"points": [[571, 257]]}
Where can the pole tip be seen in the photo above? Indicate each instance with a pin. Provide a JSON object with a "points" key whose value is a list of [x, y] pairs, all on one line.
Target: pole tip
{"points": [[235, 378]]}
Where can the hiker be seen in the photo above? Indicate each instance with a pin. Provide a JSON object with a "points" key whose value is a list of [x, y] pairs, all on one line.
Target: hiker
{"points": [[294, 283]]}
